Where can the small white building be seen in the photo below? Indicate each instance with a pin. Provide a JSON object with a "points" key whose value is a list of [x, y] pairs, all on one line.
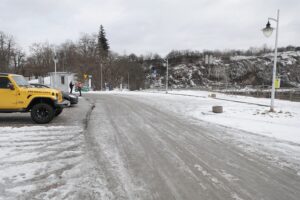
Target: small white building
{"points": [[62, 80]]}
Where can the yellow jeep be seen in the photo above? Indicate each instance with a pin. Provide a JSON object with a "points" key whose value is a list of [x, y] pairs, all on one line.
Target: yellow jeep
{"points": [[16, 95]]}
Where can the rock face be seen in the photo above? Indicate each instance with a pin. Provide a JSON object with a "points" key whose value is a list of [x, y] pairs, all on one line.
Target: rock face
{"points": [[237, 71]]}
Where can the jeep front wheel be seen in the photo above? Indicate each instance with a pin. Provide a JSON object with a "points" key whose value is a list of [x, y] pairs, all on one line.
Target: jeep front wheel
{"points": [[42, 113]]}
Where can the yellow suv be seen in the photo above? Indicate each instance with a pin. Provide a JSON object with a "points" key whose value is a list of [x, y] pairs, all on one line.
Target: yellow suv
{"points": [[16, 95]]}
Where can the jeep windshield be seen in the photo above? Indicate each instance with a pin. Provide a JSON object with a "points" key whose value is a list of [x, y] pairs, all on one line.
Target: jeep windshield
{"points": [[21, 81]]}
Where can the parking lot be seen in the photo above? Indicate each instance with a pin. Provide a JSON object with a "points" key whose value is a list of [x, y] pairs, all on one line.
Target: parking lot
{"points": [[42, 161]]}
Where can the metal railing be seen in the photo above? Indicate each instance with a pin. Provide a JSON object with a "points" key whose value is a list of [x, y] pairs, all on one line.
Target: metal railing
{"points": [[291, 94]]}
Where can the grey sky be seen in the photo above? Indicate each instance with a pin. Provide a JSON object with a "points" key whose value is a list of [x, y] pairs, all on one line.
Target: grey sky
{"points": [[143, 26]]}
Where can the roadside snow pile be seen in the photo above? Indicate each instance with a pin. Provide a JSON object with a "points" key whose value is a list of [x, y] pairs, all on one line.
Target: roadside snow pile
{"points": [[236, 58], [34, 81], [245, 113], [46, 81], [40, 162]]}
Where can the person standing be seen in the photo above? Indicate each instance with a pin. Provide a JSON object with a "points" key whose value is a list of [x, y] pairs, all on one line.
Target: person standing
{"points": [[71, 85], [79, 87]]}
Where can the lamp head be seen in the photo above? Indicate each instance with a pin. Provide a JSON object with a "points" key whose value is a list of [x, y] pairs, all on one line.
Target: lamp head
{"points": [[55, 58], [268, 30]]}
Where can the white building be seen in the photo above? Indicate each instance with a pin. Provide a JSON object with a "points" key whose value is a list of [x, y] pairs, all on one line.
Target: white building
{"points": [[62, 80]]}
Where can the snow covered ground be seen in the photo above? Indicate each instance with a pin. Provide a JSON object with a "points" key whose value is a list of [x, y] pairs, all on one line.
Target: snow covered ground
{"points": [[283, 124], [58, 161], [240, 112], [38, 162]]}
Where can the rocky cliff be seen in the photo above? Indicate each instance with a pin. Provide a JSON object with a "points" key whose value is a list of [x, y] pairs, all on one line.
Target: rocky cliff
{"points": [[234, 71]]}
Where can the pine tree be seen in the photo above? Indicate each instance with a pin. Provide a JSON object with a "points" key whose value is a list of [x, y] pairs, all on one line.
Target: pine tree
{"points": [[103, 46]]}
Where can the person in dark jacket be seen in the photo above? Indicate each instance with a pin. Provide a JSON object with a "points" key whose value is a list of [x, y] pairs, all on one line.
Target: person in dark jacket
{"points": [[71, 85]]}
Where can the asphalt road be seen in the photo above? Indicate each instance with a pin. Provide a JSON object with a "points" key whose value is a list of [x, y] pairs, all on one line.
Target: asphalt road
{"points": [[146, 153]]}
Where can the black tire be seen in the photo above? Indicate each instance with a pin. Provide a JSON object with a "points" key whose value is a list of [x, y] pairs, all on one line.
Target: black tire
{"points": [[42, 113], [58, 111]]}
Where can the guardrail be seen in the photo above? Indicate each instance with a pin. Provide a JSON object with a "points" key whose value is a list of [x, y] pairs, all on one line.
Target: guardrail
{"points": [[293, 95], [284, 94]]}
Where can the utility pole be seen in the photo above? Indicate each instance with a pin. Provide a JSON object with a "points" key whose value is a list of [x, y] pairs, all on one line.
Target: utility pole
{"points": [[128, 81], [226, 77], [64, 61], [55, 61], [167, 75], [101, 76]]}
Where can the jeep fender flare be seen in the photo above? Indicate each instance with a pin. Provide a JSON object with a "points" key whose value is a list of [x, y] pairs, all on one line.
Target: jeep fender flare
{"points": [[40, 100]]}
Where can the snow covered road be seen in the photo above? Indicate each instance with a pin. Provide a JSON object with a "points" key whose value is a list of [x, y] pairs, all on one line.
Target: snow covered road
{"points": [[145, 152], [136, 145]]}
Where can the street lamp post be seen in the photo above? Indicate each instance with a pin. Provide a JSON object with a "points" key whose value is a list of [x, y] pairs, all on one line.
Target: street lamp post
{"points": [[268, 32], [167, 74], [55, 62], [167, 78]]}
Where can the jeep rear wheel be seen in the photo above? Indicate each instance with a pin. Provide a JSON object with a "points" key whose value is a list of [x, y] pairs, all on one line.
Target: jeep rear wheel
{"points": [[42, 113]]}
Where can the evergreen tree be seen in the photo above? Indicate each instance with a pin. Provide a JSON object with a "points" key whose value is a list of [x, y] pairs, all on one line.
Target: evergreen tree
{"points": [[103, 46]]}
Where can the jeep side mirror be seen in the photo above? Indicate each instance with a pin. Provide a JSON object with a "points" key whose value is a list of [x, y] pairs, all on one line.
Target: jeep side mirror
{"points": [[10, 86]]}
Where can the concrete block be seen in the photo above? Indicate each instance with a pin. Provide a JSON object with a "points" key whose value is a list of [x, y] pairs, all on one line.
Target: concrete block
{"points": [[217, 109]]}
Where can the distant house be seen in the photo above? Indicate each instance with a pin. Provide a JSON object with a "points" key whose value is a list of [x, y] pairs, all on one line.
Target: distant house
{"points": [[62, 80]]}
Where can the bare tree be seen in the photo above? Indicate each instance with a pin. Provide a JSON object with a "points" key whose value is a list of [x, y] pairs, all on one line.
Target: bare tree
{"points": [[18, 57], [7, 44], [40, 62]]}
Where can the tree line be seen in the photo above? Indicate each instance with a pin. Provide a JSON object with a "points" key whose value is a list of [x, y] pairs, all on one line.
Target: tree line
{"points": [[12, 58], [91, 54]]}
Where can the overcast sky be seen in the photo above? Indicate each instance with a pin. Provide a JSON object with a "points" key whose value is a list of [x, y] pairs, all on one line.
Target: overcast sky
{"points": [[144, 26]]}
